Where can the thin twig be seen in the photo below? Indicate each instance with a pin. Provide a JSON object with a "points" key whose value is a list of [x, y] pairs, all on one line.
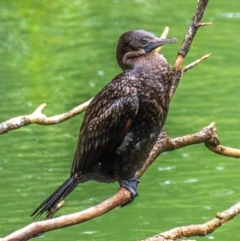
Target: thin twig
{"points": [[164, 35], [192, 30], [224, 150], [204, 24], [198, 61], [37, 117]]}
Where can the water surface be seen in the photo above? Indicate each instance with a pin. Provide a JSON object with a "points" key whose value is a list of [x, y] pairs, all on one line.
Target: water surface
{"points": [[62, 53]]}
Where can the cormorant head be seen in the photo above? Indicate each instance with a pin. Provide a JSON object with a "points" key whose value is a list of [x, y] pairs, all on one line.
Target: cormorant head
{"points": [[136, 43]]}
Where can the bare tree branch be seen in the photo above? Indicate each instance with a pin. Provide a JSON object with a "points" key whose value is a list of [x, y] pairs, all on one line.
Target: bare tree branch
{"points": [[164, 143], [198, 61], [38, 228], [37, 117], [198, 229], [192, 30], [223, 150], [187, 42], [207, 135], [163, 35]]}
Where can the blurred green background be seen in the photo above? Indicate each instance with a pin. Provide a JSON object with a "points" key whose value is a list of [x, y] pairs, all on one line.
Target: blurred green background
{"points": [[62, 53]]}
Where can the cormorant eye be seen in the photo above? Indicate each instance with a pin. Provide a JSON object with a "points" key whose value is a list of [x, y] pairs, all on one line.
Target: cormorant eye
{"points": [[143, 41]]}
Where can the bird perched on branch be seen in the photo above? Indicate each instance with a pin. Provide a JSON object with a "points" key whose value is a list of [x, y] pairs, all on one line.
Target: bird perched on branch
{"points": [[123, 121]]}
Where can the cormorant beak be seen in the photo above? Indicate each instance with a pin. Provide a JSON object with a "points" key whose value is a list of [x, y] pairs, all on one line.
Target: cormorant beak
{"points": [[157, 43]]}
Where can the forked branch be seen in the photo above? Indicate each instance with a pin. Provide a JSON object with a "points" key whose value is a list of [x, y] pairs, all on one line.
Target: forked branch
{"points": [[207, 135]]}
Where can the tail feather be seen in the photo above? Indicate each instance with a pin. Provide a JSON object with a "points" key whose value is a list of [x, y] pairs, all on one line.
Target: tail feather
{"points": [[62, 192]]}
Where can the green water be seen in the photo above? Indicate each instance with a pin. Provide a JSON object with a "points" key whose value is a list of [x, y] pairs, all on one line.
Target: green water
{"points": [[63, 53]]}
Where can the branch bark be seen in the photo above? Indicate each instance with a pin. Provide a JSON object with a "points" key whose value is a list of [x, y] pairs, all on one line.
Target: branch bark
{"points": [[37, 117], [198, 229], [207, 135]]}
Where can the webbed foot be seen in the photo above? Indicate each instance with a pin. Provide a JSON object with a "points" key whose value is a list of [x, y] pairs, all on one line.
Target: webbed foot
{"points": [[131, 186]]}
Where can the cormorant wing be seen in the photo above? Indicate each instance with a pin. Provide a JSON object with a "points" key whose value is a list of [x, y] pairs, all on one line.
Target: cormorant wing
{"points": [[106, 122]]}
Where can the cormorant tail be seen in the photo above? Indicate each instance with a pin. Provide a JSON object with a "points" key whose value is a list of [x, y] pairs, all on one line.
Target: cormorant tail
{"points": [[62, 192]]}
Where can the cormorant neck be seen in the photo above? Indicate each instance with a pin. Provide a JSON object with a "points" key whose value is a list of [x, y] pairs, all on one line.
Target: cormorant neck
{"points": [[139, 59], [129, 59]]}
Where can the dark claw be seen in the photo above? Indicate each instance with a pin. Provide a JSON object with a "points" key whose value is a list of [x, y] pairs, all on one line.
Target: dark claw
{"points": [[131, 186]]}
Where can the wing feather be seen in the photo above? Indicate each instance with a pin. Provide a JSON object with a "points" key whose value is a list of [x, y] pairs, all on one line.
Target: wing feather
{"points": [[107, 120]]}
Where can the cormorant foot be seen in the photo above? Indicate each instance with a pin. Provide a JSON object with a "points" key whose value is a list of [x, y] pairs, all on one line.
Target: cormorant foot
{"points": [[131, 186]]}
